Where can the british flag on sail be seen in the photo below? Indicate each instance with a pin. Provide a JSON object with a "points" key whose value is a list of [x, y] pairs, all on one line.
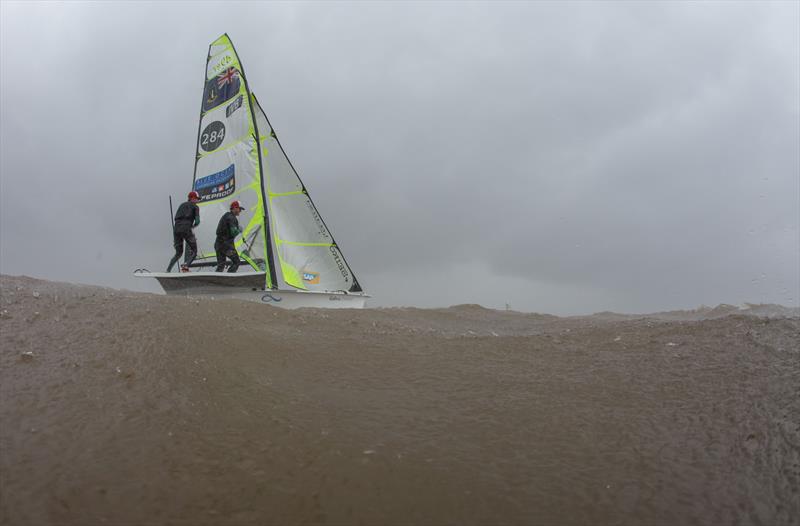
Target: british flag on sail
{"points": [[227, 77], [221, 88]]}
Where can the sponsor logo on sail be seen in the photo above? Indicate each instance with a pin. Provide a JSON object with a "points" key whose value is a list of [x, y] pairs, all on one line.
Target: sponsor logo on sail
{"points": [[233, 106], [216, 185], [342, 267], [311, 278], [321, 230], [212, 136]]}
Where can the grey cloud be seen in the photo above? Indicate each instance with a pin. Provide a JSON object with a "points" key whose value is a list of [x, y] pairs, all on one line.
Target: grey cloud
{"points": [[569, 158]]}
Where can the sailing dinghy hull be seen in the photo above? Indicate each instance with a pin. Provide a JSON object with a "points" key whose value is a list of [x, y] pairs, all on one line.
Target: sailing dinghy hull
{"points": [[249, 286]]}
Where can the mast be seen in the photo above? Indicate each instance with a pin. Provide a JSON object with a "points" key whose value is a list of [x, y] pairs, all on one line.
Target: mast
{"points": [[200, 120], [273, 280]]}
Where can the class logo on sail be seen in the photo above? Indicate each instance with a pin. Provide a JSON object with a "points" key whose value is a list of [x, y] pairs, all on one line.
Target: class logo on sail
{"points": [[221, 88], [217, 185]]}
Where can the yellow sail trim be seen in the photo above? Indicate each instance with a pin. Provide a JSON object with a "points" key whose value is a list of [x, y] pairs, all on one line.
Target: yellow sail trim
{"points": [[301, 244], [291, 275], [258, 215], [250, 261], [222, 40], [215, 55]]}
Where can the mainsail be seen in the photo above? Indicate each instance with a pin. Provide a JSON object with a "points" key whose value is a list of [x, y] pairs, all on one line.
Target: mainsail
{"points": [[280, 216], [228, 164]]}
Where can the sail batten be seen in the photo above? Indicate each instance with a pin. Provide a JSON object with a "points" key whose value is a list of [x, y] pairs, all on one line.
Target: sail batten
{"points": [[309, 244]]}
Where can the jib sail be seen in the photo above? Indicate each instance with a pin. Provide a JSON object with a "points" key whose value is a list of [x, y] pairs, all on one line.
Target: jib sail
{"points": [[307, 254], [228, 164]]}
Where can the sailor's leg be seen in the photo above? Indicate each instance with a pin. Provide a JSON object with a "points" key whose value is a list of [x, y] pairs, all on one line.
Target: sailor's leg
{"points": [[234, 260], [220, 250], [191, 248], [177, 242]]}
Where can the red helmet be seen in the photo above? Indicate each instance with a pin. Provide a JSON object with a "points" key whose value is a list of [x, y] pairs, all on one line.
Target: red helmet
{"points": [[194, 195], [236, 204]]}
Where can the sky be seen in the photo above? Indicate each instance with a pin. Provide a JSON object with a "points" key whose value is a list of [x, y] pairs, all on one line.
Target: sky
{"points": [[556, 157]]}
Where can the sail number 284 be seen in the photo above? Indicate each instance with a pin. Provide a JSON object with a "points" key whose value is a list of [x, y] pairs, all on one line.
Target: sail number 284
{"points": [[212, 136]]}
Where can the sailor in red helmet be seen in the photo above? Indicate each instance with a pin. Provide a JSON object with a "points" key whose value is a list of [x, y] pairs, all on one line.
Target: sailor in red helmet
{"points": [[227, 230], [186, 218]]}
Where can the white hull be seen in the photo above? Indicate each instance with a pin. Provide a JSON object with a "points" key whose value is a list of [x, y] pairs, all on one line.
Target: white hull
{"points": [[249, 286]]}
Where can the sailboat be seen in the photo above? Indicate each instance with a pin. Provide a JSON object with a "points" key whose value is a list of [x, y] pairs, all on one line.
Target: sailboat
{"points": [[289, 257]]}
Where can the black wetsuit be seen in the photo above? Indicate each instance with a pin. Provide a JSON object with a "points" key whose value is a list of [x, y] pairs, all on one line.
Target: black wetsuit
{"points": [[227, 230], [187, 217]]}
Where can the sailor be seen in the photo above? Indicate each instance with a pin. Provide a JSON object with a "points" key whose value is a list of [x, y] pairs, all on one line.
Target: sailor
{"points": [[227, 230], [186, 218]]}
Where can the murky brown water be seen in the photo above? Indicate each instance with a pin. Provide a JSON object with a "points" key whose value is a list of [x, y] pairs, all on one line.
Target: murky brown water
{"points": [[142, 409]]}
